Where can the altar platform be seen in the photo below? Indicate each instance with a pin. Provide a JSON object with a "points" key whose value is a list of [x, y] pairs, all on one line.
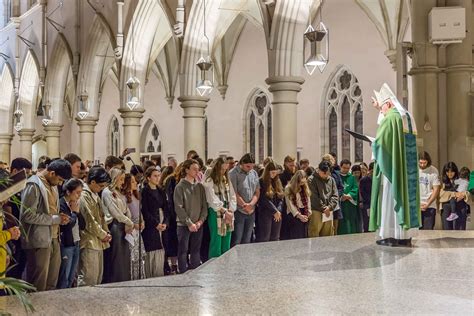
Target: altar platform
{"points": [[333, 275]]}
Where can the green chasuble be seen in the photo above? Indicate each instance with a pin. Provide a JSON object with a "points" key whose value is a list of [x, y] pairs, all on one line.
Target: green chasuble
{"points": [[396, 160], [350, 223]]}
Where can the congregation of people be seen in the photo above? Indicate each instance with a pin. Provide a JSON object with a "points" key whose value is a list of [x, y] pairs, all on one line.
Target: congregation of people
{"points": [[78, 224]]}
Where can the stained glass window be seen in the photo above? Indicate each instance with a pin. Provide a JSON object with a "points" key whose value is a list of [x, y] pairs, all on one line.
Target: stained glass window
{"points": [[342, 105], [358, 120], [114, 137], [259, 126]]}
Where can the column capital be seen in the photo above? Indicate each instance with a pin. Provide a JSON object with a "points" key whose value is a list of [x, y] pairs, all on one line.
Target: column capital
{"points": [[26, 132], [126, 113], [53, 128], [193, 101], [6, 138], [284, 83], [424, 70], [82, 123]]}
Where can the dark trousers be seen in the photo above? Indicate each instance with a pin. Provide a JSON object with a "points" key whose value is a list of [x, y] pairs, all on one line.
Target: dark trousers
{"points": [[189, 242], [243, 228], [364, 218], [206, 239], [19, 259], [296, 228], [428, 218], [268, 229], [461, 211]]}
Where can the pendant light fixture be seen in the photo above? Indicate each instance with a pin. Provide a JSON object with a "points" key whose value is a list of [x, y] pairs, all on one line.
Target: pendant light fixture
{"points": [[47, 119], [318, 41], [205, 82], [133, 84], [18, 116], [83, 106]]}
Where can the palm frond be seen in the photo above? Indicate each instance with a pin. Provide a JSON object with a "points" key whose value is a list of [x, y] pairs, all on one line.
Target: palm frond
{"points": [[20, 289]]}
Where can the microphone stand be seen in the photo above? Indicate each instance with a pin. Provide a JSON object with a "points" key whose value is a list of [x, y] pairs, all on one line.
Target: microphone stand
{"points": [[139, 226]]}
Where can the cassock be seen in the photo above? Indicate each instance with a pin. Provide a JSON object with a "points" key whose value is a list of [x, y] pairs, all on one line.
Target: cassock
{"points": [[350, 224]]}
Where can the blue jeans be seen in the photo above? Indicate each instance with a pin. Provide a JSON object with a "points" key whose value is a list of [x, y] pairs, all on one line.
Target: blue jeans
{"points": [[69, 263], [243, 228]]}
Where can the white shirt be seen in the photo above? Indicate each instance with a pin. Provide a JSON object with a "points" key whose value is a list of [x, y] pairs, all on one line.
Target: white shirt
{"points": [[428, 179]]}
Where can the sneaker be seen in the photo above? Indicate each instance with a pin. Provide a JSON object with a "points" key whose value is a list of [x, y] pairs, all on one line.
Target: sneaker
{"points": [[452, 217]]}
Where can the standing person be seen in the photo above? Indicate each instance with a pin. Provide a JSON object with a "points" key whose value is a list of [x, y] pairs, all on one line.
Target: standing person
{"points": [[12, 233], [452, 201], [429, 190], [395, 209], [270, 204], [336, 175], [191, 210], [40, 217], [222, 204], [364, 169], [356, 172], [324, 200], [131, 197], [13, 207], [349, 201], [76, 163], [70, 248], [297, 198], [156, 216], [171, 234], [289, 169], [365, 190], [95, 237], [230, 163], [173, 163], [247, 190], [118, 217]]}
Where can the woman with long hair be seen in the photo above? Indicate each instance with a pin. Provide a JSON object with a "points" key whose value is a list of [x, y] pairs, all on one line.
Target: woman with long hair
{"points": [[119, 219], [156, 216], [131, 196], [222, 202], [297, 196], [171, 234], [270, 204], [453, 198], [70, 249]]}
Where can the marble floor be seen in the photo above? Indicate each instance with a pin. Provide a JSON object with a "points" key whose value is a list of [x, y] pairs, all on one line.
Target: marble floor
{"points": [[333, 275]]}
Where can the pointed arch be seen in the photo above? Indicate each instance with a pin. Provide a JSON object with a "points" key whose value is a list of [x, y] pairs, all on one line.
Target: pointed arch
{"points": [[341, 108], [150, 140], [113, 137], [57, 77], [7, 98], [96, 62], [148, 33], [29, 94], [257, 123]]}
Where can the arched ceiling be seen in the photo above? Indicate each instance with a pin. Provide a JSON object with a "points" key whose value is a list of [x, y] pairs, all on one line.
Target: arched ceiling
{"points": [[390, 17]]}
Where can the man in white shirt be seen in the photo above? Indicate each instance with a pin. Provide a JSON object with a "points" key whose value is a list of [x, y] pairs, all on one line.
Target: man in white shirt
{"points": [[429, 190]]}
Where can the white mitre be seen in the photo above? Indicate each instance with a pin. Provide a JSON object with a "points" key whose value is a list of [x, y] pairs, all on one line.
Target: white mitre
{"points": [[386, 94]]}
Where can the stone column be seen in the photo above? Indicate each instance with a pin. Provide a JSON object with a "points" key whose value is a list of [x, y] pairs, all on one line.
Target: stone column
{"points": [[26, 142], [458, 83], [285, 91], [131, 131], [425, 81], [53, 132], [194, 123], [5, 147], [86, 134]]}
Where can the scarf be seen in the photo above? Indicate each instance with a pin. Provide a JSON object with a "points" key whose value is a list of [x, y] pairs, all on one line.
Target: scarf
{"points": [[304, 201], [223, 193]]}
